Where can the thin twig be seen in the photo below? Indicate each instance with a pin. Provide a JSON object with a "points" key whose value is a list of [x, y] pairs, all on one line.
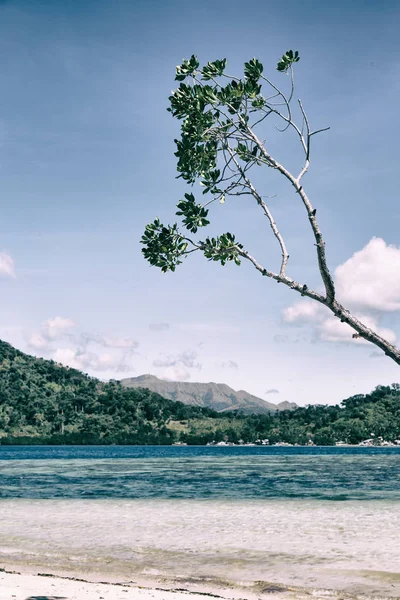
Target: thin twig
{"points": [[268, 214]]}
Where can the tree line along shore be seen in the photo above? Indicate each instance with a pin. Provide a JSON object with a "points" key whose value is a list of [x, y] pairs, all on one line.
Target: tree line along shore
{"points": [[43, 402]]}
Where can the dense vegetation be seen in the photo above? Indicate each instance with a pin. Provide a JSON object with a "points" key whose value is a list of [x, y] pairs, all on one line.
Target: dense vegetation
{"points": [[44, 402]]}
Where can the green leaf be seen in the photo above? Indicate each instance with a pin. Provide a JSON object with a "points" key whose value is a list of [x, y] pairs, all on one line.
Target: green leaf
{"points": [[163, 246], [195, 214], [253, 70], [287, 60], [188, 67], [222, 249], [213, 69]]}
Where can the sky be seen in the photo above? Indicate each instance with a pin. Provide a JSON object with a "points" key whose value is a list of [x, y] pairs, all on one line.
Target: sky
{"points": [[87, 159]]}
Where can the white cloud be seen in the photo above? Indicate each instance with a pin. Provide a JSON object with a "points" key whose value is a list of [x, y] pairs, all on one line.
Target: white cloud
{"points": [[185, 359], [107, 341], [303, 312], [71, 358], [37, 341], [76, 353], [175, 373], [332, 330], [91, 361], [328, 327], [368, 283], [370, 279], [51, 330], [119, 342], [6, 265], [272, 391], [55, 327]]}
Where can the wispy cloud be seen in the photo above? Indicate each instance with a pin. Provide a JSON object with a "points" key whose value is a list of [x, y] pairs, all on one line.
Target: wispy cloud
{"points": [[57, 340], [51, 330], [228, 364], [187, 359], [327, 327], [175, 373], [107, 341], [92, 361], [54, 328], [7, 265], [177, 367], [159, 326]]}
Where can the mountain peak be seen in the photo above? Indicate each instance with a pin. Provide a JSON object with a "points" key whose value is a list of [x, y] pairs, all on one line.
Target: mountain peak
{"points": [[144, 377], [218, 396]]}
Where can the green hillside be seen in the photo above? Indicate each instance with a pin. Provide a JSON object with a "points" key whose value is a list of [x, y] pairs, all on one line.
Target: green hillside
{"points": [[44, 402]]}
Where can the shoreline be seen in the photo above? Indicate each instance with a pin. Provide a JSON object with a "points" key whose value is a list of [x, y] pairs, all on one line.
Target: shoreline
{"points": [[244, 550], [34, 585], [5, 443]]}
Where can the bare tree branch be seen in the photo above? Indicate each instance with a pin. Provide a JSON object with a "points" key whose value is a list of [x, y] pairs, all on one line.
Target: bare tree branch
{"points": [[267, 212], [320, 244]]}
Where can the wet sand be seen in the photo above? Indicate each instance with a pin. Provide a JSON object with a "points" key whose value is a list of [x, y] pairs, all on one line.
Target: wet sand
{"points": [[219, 547], [46, 587]]}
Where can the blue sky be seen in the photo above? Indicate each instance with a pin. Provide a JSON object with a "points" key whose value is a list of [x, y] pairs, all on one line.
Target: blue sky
{"points": [[86, 160]]}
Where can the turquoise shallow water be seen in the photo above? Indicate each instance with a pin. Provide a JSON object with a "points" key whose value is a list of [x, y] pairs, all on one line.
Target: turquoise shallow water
{"points": [[237, 473], [322, 518]]}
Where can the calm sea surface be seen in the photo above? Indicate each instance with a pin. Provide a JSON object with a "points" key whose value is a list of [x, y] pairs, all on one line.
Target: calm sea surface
{"points": [[318, 518], [321, 473]]}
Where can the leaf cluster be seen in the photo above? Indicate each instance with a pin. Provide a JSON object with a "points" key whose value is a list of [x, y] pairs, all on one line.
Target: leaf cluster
{"points": [[188, 67], [163, 246], [195, 214], [223, 249], [287, 60], [253, 69], [213, 69]]}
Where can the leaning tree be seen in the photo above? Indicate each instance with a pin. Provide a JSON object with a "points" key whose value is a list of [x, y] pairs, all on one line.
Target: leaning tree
{"points": [[219, 146]]}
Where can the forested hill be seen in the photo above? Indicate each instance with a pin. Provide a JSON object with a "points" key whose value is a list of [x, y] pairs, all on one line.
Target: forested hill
{"points": [[41, 400], [44, 402]]}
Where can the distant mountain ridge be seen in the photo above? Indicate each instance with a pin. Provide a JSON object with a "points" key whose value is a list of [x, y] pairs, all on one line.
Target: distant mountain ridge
{"points": [[218, 396]]}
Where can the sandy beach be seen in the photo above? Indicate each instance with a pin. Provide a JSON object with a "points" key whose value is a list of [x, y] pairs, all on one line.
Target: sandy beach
{"points": [[45, 587], [350, 547], [34, 587], [19, 586], [250, 550]]}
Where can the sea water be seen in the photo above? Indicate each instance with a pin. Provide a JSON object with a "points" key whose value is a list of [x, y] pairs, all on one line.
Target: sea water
{"points": [[326, 518]]}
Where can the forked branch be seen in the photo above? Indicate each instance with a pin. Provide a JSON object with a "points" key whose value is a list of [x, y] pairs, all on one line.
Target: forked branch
{"points": [[219, 146]]}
